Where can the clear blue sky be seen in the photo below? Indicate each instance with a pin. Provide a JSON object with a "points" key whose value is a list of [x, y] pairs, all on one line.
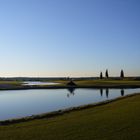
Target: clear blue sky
{"points": [[69, 37]]}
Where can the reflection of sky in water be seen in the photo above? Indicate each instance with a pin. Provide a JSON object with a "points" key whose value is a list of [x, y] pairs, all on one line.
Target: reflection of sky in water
{"points": [[21, 103], [34, 83]]}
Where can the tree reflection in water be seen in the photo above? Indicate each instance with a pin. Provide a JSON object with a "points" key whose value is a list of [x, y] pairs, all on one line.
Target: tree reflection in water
{"points": [[122, 92], [71, 92], [107, 92], [101, 92]]}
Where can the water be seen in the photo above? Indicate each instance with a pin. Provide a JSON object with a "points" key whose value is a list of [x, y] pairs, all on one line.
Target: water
{"points": [[21, 103], [36, 83]]}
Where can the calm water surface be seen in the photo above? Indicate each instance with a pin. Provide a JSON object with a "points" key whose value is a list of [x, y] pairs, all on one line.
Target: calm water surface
{"points": [[21, 103], [29, 83]]}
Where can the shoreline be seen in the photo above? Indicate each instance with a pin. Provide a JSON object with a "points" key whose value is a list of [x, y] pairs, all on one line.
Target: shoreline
{"points": [[62, 112], [75, 87]]}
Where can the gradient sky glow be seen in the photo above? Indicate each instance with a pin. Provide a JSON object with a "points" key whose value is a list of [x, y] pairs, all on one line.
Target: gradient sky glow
{"points": [[69, 37]]}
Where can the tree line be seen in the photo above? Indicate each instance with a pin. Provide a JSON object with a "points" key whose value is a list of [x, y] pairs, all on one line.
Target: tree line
{"points": [[107, 74]]}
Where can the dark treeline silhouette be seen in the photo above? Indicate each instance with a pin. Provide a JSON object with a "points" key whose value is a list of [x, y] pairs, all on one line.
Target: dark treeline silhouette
{"points": [[45, 78], [107, 75]]}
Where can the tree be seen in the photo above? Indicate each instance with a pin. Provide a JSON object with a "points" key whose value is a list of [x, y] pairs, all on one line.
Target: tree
{"points": [[122, 74], [101, 75], [106, 74]]}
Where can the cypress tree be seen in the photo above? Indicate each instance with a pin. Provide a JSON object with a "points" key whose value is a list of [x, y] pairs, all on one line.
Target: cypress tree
{"points": [[122, 74], [101, 75], [106, 74]]}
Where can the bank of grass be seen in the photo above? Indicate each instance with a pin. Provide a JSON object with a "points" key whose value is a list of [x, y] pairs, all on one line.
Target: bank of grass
{"points": [[105, 83], [118, 120], [99, 83], [10, 84]]}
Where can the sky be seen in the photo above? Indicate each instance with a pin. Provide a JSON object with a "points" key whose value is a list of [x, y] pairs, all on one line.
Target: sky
{"points": [[53, 38]]}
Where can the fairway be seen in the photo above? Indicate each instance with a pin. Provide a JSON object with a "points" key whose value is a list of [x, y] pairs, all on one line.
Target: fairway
{"points": [[115, 121]]}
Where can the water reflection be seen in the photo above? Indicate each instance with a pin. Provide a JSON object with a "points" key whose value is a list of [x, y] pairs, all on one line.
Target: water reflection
{"points": [[24, 103], [71, 92], [122, 92], [101, 92], [107, 92]]}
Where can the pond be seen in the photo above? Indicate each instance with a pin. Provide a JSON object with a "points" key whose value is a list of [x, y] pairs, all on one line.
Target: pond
{"points": [[22, 103], [37, 83]]}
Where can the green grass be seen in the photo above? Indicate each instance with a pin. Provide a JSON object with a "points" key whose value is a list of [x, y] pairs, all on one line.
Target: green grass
{"points": [[108, 82], [115, 121], [81, 83], [10, 83], [103, 82]]}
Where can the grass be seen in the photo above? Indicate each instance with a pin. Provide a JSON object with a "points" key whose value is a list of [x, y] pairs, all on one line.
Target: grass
{"points": [[103, 82], [9, 84], [115, 121], [99, 83], [109, 83]]}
